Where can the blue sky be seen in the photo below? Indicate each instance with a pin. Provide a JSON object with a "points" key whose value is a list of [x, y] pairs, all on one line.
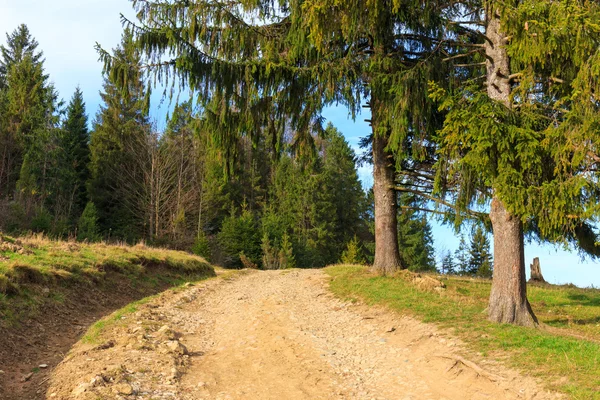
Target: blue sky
{"points": [[67, 31]]}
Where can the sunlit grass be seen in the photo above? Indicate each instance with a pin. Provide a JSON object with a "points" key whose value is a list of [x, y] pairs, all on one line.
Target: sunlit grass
{"points": [[549, 354], [41, 264]]}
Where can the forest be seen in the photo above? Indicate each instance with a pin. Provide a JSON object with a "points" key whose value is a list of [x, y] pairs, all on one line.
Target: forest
{"points": [[484, 115], [117, 178]]}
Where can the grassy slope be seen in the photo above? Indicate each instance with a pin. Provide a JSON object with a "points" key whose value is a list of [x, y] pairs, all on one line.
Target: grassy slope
{"points": [[565, 354], [28, 266]]}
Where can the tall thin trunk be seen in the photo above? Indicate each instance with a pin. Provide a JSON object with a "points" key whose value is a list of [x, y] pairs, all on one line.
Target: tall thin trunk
{"points": [[387, 255], [508, 298]]}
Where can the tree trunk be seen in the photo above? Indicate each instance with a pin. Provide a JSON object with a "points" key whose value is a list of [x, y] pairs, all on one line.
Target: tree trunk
{"points": [[508, 298], [536, 272], [387, 256]]}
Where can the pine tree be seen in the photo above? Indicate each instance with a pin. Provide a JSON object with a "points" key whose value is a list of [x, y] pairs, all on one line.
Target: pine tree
{"points": [[415, 237], [353, 253], [74, 144], [87, 226], [448, 267], [28, 105], [297, 58], [118, 138], [286, 253], [480, 258], [518, 131], [462, 257]]}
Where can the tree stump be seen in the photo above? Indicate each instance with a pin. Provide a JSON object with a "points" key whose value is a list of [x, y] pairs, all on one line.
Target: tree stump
{"points": [[536, 272]]}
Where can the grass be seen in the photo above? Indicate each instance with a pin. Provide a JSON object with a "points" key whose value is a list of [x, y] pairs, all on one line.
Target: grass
{"points": [[35, 270], [565, 353], [93, 334]]}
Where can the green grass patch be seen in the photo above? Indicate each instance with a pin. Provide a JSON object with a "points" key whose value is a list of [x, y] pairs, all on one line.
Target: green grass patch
{"points": [[35, 270], [570, 349]]}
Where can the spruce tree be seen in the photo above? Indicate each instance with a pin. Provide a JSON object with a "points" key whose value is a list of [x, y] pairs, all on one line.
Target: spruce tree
{"points": [[462, 256], [480, 257], [87, 226], [519, 131], [448, 267], [75, 142], [298, 57], [119, 131], [28, 105]]}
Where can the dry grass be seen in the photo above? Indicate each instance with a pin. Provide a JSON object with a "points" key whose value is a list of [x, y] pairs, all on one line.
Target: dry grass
{"points": [[38, 260], [32, 265]]}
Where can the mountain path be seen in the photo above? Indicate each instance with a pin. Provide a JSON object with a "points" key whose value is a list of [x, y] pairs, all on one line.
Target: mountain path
{"points": [[279, 335]]}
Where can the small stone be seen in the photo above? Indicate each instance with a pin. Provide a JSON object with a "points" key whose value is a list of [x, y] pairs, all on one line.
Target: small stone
{"points": [[165, 332], [123, 388], [81, 389], [43, 366], [391, 329], [173, 346], [1, 372], [27, 377], [53, 395]]}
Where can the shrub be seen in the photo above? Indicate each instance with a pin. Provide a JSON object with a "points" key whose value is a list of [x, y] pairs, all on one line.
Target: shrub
{"points": [[201, 246], [239, 234], [353, 253], [88, 224], [270, 258], [246, 262], [42, 221], [286, 254]]}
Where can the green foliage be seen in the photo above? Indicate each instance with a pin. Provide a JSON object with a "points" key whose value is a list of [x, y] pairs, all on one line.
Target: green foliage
{"points": [[448, 267], [480, 257], [270, 258], [286, 253], [41, 221], [72, 170], [462, 256], [534, 150], [415, 238], [353, 253], [201, 246], [87, 227], [239, 233], [116, 151]]}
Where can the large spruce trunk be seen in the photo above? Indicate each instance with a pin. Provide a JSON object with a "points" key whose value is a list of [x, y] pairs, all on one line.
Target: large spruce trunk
{"points": [[508, 298], [387, 255]]}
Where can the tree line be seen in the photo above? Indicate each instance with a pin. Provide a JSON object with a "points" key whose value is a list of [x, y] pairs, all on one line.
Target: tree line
{"points": [[482, 110], [271, 197]]}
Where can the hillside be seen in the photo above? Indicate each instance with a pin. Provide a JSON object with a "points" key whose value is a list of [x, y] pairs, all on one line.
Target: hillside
{"points": [[564, 351], [50, 292]]}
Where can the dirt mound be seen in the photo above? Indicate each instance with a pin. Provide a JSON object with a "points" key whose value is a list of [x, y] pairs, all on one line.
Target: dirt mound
{"points": [[13, 246], [278, 335], [422, 281], [30, 350]]}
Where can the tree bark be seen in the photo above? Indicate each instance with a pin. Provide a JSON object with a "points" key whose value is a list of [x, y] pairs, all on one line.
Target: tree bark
{"points": [[536, 271], [508, 298], [387, 255]]}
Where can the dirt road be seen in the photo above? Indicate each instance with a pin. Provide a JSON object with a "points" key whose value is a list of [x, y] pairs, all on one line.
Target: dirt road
{"points": [[279, 335]]}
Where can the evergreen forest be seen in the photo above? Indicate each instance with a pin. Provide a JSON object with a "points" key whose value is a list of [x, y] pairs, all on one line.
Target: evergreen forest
{"points": [[483, 116]]}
